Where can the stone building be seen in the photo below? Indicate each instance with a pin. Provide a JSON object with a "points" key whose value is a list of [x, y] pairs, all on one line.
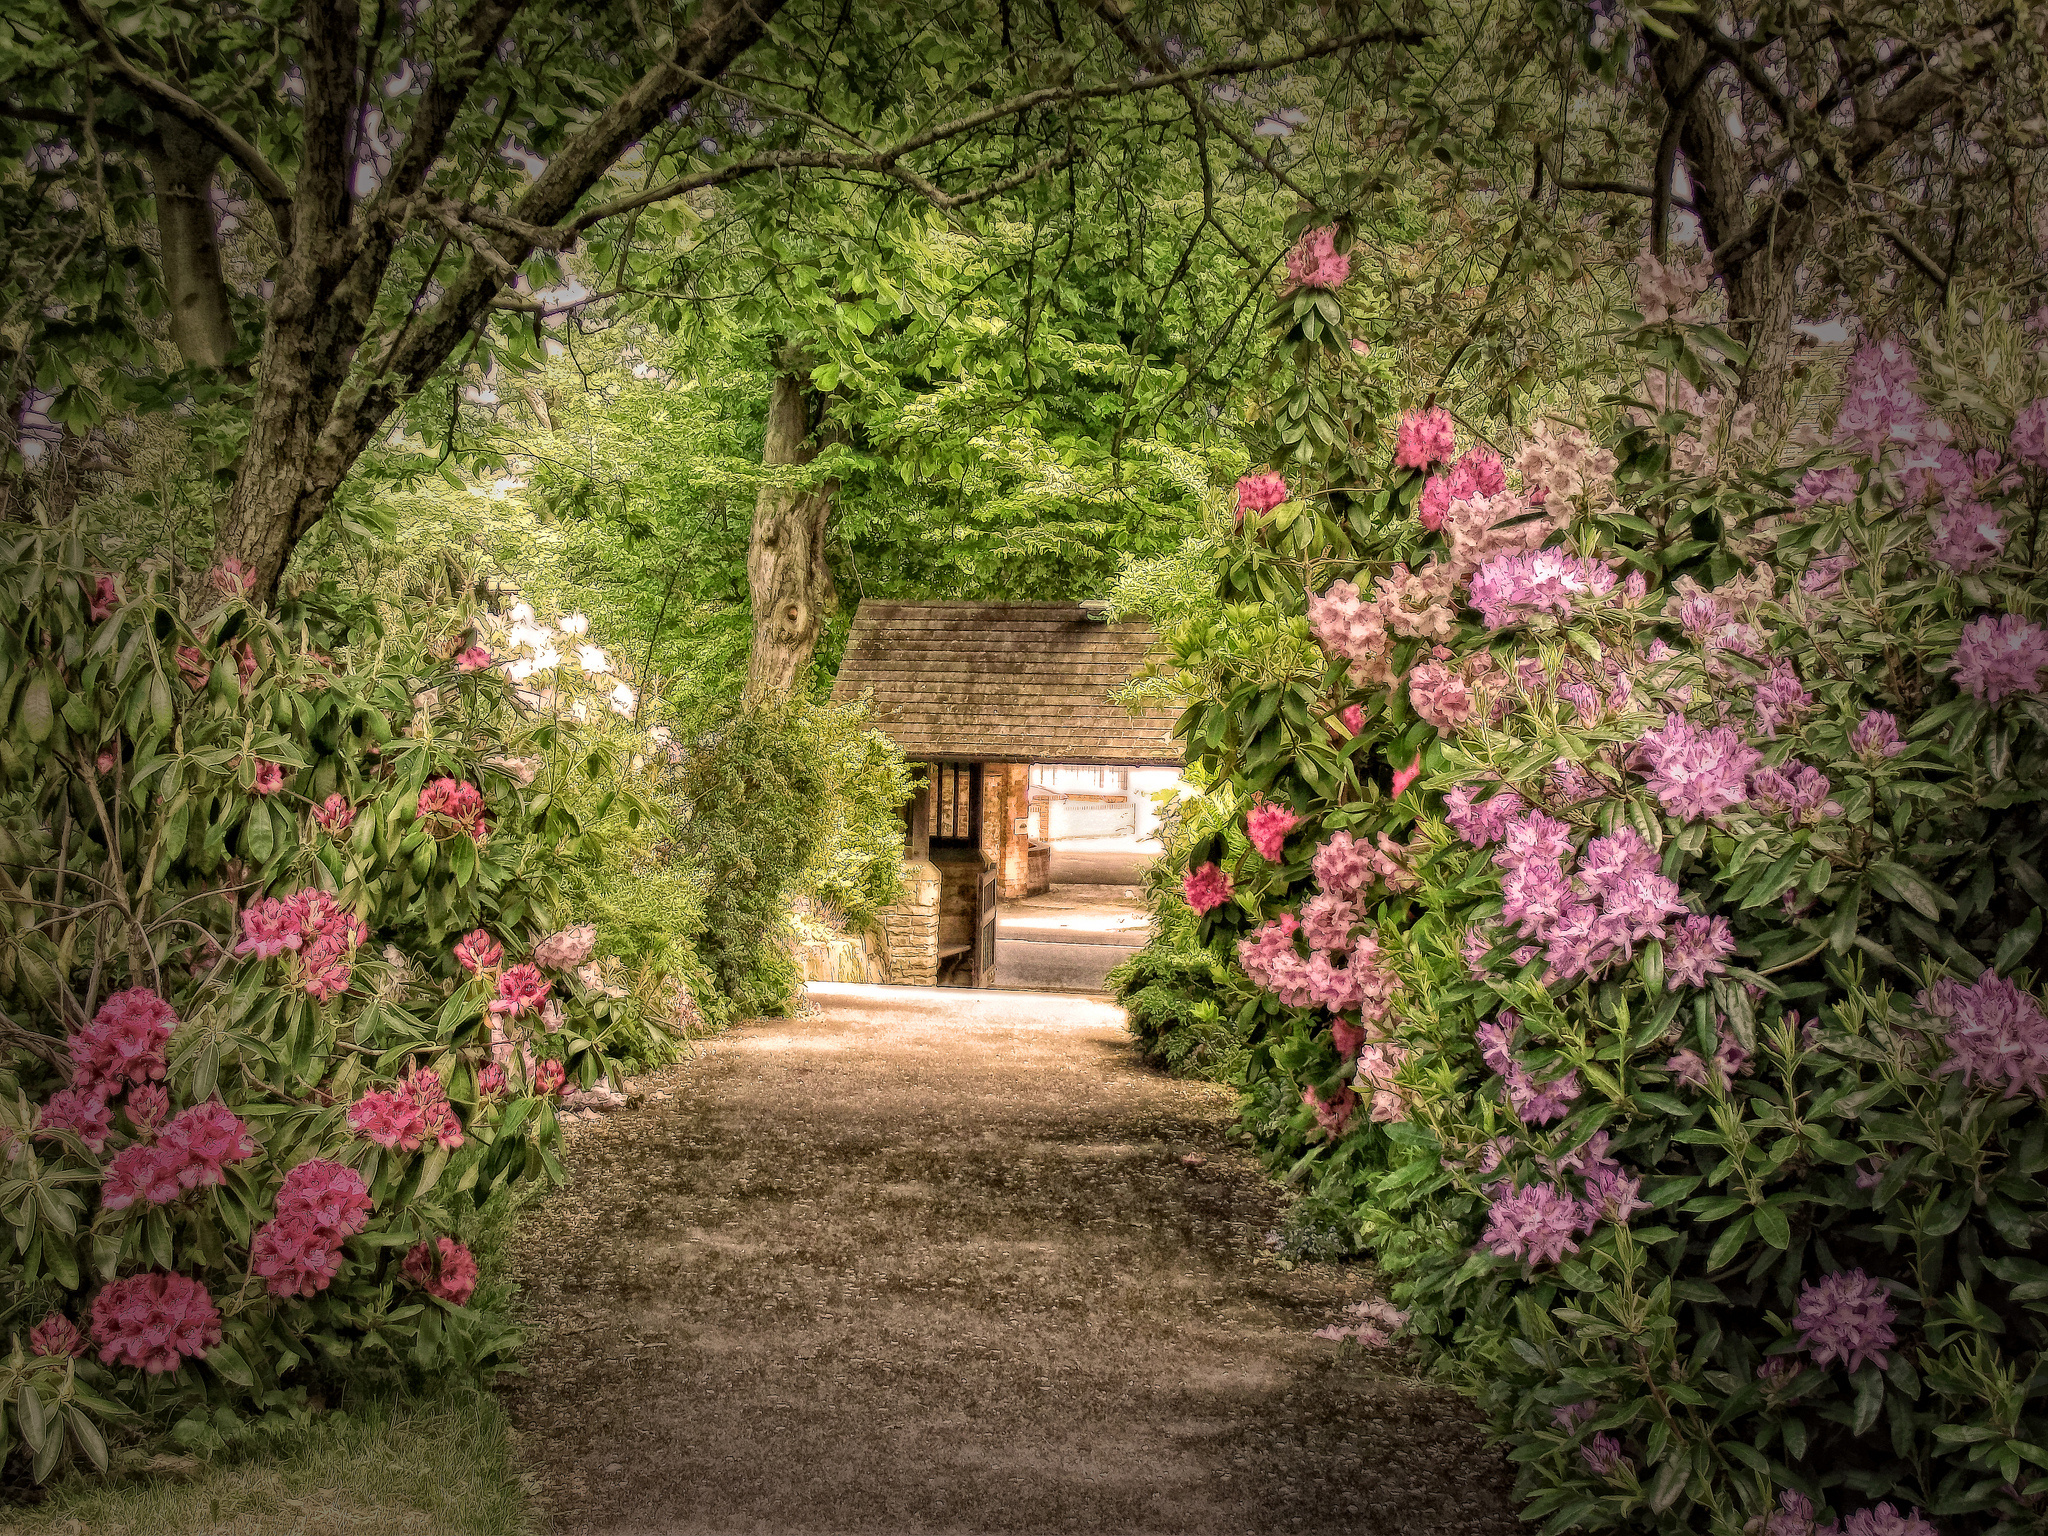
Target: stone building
{"points": [[976, 694]]}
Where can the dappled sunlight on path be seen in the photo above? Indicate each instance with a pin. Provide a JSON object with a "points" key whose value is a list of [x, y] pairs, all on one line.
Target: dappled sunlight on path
{"points": [[954, 1262]]}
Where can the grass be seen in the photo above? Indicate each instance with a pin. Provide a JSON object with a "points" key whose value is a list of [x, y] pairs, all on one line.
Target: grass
{"points": [[439, 1465]]}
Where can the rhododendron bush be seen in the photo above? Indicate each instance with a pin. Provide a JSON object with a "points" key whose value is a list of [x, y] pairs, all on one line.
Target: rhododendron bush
{"points": [[1632, 891], [283, 993]]}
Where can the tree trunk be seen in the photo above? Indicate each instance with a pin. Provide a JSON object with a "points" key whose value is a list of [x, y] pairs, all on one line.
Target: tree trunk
{"points": [[181, 166], [787, 578]]}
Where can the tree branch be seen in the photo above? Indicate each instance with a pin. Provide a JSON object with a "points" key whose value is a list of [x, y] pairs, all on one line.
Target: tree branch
{"points": [[164, 97]]}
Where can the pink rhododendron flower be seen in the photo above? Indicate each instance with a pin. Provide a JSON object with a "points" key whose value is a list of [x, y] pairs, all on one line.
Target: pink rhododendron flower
{"points": [[1696, 948], [1403, 777], [548, 1078], [204, 1140], [407, 1117], [1315, 261], [335, 814], [1440, 695], [1260, 493], [1537, 1223], [1795, 1514], [2030, 435], [1879, 407], [2000, 656], [1424, 438], [320, 1205], [490, 1083], [1267, 825], [1845, 1316], [149, 1106], [1997, 1034], [478, 951], [1968, 539], [1270, 959], [56, 1336], [1780, 699], [1697, 774], [1327, 919], [1540, 1103], [1353, 717], [80, 1110], [106, 597], [1205, 887], [1332, 1114], [475, 659], [568, 949], [1346, 625], [443, 1268], [1876, 735], [326, 1193], [231, 578], [154, 1322], [124, 1043], [455, 804], [1512, 587]]}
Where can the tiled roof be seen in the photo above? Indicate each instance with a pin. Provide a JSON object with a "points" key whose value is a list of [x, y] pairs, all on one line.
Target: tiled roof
{"points": [[1004, 683]]}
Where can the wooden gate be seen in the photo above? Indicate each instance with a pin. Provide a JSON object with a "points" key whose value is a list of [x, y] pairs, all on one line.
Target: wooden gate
{"points": [[985, 929]]}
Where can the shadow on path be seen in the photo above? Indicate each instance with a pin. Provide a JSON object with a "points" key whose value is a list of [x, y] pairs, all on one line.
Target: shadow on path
{"points": [[954, 1262]]}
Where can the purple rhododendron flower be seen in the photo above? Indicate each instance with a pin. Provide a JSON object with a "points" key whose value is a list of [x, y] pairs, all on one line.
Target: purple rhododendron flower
{"points": [[1513, 586], [1845, 1316], [2030, 434], [1997, 1034], [1797, 791], [1540, 1103], [1537, 1223], [1833, 487], [1696, 948], [1697, 774], [1885, 1520], [1876, 735], [1484, 822], [2000, 656], [1781, 698], [1968, 539], [1603, 1455]]}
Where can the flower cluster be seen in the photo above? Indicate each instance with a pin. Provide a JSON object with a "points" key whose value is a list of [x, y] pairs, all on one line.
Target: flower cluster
{"points": [[1997, 1034], [478, 951], [321, 935], [1590, 912], [2001, 656], [192, 1152], [1267, 825], [1512, 588], [521, 990], [123, 1044], [1260, 493], [405, 1118], [566, 950], [56, 1337], [81, 1110], [455, 806], [1845, 1316], [1697, 774], [154, 1322], [1205, 888], [1668, 289], [1477, 476], [443, 1268], [1316, 263], [335, 815], [1424, 438], [320, 1205]]}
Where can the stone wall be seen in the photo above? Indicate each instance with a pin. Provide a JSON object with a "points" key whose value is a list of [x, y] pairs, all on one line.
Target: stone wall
{"points": [[910, 928]]}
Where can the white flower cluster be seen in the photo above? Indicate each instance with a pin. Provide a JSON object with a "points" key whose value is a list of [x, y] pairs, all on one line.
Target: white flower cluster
{"points": [[529, 652]]}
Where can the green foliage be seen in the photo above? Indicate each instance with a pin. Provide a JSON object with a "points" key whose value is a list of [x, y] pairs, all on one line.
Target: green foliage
{"points": [[162, 761], [1788, 1111], [857, 869]]}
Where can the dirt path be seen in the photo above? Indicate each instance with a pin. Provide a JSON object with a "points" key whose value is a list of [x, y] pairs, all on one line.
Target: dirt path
{"points": [[954, 1262]]}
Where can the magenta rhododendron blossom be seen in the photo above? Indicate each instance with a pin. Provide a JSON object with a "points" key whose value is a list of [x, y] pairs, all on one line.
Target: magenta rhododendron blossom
{"points": [[490, 1082], [1315, 261], [566, 950], [1205, 887], [326, 1193], [455, 804], [1780, 699], [154, 1322], [1536, 1223], [408, 1116], [1603, 1456], [443, 1268], [1795, 1515], [1260, 493], [1403, 777], [1424, 438], [1828, 487], [269, 778], [1796, 791], [106, 597], [56, 1337], [1997, 1034], [2030, 435], [1879, 408], [2000, 656], [1267, 825], [1845, 1316], [335, 815], [1540, 1103], [1353, 717], [192, 1152], [319, 1207], [478, 951], [521, 990], [124, 1043], [1569, 1416], [149, 1106], [1697, 774], [1696, 948], [231, 578], [549, 1078], [1334, 1114], [475, 659], [80, 1110]]}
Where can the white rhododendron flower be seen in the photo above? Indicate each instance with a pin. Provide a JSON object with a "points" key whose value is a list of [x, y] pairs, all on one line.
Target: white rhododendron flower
{"points": [[522, 613], [546, 659], [624, 701], [574, 624], [579, 711], [520, 670], [595, 662], [526, 637]]}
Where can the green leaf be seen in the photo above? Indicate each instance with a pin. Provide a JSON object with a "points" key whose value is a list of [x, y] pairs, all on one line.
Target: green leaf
{"points": [[1902, 884]]}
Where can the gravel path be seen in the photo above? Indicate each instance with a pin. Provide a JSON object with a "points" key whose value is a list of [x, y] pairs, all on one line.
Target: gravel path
{"points": [[954, 1262]]}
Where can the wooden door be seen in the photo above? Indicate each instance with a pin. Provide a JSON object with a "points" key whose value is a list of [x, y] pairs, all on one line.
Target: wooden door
{"points": [[985, 929]]}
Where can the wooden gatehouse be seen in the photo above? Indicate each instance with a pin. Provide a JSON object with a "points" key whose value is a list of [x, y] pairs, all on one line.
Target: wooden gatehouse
{"points": [[976, 694]]}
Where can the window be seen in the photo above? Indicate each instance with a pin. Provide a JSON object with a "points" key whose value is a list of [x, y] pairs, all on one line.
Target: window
{"points": [[956, 803], [1064, 776]]}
